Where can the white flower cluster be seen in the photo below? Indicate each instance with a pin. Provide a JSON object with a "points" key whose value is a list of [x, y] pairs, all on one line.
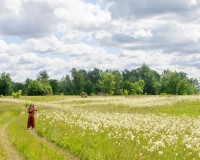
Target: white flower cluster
{"points": [[153, 132]]}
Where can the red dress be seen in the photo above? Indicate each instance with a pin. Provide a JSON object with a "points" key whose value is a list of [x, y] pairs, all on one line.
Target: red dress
{"points": [[31, 118]]}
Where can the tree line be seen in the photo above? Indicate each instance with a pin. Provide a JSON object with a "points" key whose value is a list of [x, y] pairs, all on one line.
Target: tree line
{"points": [[142, 80]]}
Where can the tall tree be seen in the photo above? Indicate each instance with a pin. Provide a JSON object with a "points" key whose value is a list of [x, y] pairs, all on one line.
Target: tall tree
{"points": [[54, 86], [94, 76], [118, 82], [150, 78], [89, 87], [176, 83], [43, 76], [39, 88], [6, 85], [78, 81], [19, 86], [27, 83], [65, 86], [137, 87], [127, 86], [107, 82]]}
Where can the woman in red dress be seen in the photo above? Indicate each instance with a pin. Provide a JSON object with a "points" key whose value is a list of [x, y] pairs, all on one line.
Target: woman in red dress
{"points": [[31, 118]]}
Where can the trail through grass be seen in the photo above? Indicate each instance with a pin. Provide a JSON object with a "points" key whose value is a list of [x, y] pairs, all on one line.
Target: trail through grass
{"points": [[16, 142], [10, 151], [7, 151], [63, 152]]}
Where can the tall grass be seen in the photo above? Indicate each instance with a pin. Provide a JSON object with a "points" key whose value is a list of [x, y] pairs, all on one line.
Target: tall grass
{"points": [[125, 136], [7, 112], [3, 155], [142, 127], [28, 145], [119, 130]]}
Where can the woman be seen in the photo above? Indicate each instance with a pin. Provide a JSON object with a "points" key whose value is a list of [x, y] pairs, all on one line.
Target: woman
{"points": [[31, 118]]}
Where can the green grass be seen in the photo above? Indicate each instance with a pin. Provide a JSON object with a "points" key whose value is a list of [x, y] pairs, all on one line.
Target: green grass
{"points": [[3, 154], [7, 111], [181, 108], [89, 144], [190, 108], [28, 145], [42, 98], [71, 123]]}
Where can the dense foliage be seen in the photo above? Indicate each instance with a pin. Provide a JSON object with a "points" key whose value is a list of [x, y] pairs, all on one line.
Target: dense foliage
{"points": [[142, 80]]}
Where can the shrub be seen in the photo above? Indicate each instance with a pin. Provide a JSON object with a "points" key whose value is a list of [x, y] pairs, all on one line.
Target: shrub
{"points": [[17, 94], [92, 94], [126, 92], [83, 95]]}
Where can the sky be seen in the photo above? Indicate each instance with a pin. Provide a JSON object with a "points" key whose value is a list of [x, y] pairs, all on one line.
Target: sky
{"points": [[58, 35]]}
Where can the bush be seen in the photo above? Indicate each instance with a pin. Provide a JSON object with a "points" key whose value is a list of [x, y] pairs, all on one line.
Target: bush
{"points": [[17, 94], [126, 92], [92, 94], [84, 95], [36, 88]]}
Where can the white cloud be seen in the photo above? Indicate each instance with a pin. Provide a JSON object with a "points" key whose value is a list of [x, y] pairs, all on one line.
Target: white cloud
{"points": [[146, 8], [57, 35], [83, 16], [34, 18], [26, 18]]}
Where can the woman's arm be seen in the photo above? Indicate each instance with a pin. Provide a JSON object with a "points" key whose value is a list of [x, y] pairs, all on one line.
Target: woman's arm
{"points": [[30, 111]]}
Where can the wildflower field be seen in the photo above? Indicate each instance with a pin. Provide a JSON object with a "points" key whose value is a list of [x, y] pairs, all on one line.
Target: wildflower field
{"points": [[103, 127]]}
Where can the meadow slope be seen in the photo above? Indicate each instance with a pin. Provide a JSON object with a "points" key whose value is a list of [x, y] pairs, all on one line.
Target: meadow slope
{"points": [[139, 127]]}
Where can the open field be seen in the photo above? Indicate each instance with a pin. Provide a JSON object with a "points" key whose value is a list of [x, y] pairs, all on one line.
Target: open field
{"points": [[139, 127]]}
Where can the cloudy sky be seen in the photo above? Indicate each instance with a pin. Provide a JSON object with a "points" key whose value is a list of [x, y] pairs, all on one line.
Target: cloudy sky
{"points": [[57, 35]]}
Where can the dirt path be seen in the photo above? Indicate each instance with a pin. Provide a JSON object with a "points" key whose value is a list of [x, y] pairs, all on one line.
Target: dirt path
{"points": [[54, 147], [6, 144]]}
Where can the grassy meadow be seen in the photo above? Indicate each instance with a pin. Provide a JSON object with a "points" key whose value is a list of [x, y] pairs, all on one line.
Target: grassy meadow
{"points": [[104, 127]]}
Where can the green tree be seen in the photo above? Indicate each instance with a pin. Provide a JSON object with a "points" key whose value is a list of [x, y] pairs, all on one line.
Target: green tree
{"points": [[65, 86], [118, 82], [35, 88], [27, 83], [54, 85], [89, 87], [150, 78], [107, 83], [177, 84], [137, 87], [19, 86], [174, 84], [69, 86], [157, 86], [94, 76], [78, 81], [43, 76], [6, 85], [47, 90], [130, 76], [127, 86], [39, 88]]}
